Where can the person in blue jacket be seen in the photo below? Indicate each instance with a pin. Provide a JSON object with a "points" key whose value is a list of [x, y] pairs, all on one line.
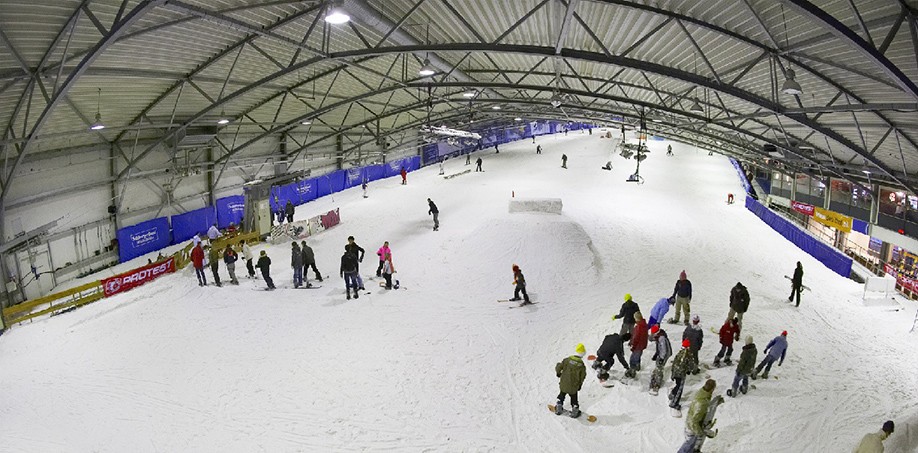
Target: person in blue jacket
{"points": [[775, 350], [659, 310]]}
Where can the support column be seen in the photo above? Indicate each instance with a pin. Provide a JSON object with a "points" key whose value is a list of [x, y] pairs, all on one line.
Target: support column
{"points": [[339, 151], [211, 201], [874, 203]]}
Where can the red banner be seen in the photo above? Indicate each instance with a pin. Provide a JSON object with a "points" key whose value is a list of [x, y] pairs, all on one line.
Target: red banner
{"points": [[137, 277], [803, 208], [904, 282], [330, 219]]}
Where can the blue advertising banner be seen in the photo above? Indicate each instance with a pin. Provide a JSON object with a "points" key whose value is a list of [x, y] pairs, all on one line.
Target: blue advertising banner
{"points": [[305, 191], [145, 237], [374, 172], [353, 177], [431, 153], [185, 226], [230, 210]]}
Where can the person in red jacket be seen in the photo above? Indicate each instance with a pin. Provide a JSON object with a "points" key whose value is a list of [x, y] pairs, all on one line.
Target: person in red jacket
{"points": [[404, 174], [729, 333], [197, 259], [638, 344]]}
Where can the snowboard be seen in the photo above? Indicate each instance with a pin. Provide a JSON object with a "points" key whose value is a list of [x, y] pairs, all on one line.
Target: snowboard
{"points": [[589, 418], [522, 305], [802, 286], [656, 379], [709, 420]]}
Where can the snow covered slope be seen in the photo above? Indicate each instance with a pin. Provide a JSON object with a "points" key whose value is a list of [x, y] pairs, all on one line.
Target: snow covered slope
{"points": [[441, 366]]}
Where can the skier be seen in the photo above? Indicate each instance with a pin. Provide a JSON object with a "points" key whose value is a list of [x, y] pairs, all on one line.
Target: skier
{"points": [[296, 262], [629, 308], [264, 265], [213, 256], [197, 259], [381, 253], [435, 212], [638, 344], [683, 296], [744, 368], [572, 372], [682, 364], [695, 336], [661, 354], [873, 442], [288, 211], [388, 269], [213, 233], [478, 165], [776, 348], [538, 149], [229, 258], [669, 150], [355, 249], [612, 346], [520, 283], [364, 187], [404, 174], [350, 272], [739, 302], [247, 254], [309, 260], [659, 310], [694, 429], [796, 284], [564, 161], [729, 333]]}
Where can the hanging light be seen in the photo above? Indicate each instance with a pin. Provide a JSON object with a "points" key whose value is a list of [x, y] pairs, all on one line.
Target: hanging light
{"points": [[556, 100], [469, 94], [790, 85], [696, 107], [223, 121], [496, 107], [517, 119], [97, 125], [306, 123], [336, 15], [427, 70]]}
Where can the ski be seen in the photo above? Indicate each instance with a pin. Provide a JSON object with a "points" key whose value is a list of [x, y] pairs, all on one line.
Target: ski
{"points": [[524, 304], [589, 418]]}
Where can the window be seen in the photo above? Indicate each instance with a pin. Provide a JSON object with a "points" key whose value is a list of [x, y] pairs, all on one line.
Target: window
{"points": [[841, 191]]}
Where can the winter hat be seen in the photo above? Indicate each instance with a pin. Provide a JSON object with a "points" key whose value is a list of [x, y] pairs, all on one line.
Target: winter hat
{"points": [[581, 350], [264, 253], [749, 339], [654, 329], [784, 334], [627, 297], [709, 385], [682, 275], [686, 343], [696, 319], [889, 427]]}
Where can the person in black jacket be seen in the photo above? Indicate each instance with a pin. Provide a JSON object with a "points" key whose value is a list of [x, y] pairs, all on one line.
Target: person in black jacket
{"points": [[629, 308], [695, 336], [349, 271], [358, 253], [478, 165], [264, 264], [296, 262], [288, 211], [739, 302], [229, 258], [435, 212], [683, 297], [309, 260], [612, 347], [796, 284]]}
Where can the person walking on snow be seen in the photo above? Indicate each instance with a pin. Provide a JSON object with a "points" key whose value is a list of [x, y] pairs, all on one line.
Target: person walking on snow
{"points": [[197, 259], [229, 259], [744, 368], [739, 302], [388, 269], [683, 295], [296, 262], [683, 363], [662, 351], [659, 310], [612, 347], [349, 271], [404, 174], [247, 254], [638, 344], [729, 333], [468, 158], [478, 165], [873, 442], [776, 348], [796, 284], [358, 252], [564, 161], [538, 149], [435, 212], [694, 431], [382, 253], [442, 171], [520, 283], [264, 265], [214, 256], [629, 308], [571, 372], [695, 336], [288, 211], [364, 187], [309, 260]]}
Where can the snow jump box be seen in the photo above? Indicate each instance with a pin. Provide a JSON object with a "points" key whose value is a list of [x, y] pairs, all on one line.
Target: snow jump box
{"points": [[546, 205]]}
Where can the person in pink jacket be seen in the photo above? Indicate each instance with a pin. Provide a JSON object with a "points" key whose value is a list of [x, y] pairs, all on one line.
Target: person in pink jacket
{"points": [[382, 253]]}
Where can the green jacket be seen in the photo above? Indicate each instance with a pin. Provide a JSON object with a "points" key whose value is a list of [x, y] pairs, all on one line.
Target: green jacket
{"points": [[697, 412], [683, 363], [572, 372], [214, 256], [747, 360]]}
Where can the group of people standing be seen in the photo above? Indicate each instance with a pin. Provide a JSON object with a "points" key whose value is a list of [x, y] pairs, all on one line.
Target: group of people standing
{"points": [[302, 257]]}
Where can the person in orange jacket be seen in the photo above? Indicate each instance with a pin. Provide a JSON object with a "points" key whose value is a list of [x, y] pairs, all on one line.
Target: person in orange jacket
{"points": [[197, 259]]}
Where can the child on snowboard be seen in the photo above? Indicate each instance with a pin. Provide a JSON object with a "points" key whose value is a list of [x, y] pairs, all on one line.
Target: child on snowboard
{"points": [[612, 346], [520, 283], [744, 368], [695, 336], [682, 364], [388, 270], [629, 308], [776, 348], [729, 333], [638, 345], [572, 373], [659, 310], [662, 352], [694, 423]]}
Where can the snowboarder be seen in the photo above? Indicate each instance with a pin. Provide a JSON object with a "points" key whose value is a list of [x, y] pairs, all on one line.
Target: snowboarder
{"points": [[739, 302], [288, 211], [873, 442], [358, 252], [538, 149], [213, 233], [612, 346], [572, 373], [382, 253], [744, 368], [629, 308], [520, 283], [796, 284], [404, 174], [247, 254], [296, 262], [213, 256], [350, 272], [564, 161], [229, 258], [682, 364], [197, 259], [309, 260], [659, 310], [695, 336], [388, 269], [695, 430], [638, 345], [776, 348], [669, 150], [729, 333], [662, 352], [264, 265], [478, 165], [435, 212], [683, 296]]}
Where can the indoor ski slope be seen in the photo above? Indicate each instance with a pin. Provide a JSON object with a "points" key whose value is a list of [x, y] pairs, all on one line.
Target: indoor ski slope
{"points": [[441, 366]]}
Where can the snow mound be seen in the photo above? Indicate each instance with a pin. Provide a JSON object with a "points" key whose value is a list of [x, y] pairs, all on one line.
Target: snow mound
{"points": [[544, 205]]}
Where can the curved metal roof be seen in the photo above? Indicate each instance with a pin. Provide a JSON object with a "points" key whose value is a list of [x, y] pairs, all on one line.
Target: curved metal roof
{"points": [[163, 66]]}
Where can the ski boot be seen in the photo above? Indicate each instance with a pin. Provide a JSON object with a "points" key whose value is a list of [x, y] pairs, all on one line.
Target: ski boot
{"points": [[765, 375], [728, 362], [631, 373], [731, 393], [743, 389], [348, 295], [755, 375], [717, 363], [514, 299], [559, 408], [575, 411], [318, 277], [356, 294]]}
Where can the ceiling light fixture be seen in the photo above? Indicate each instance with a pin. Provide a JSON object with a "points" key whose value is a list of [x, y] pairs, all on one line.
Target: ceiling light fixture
{"points": [[223, 121], [470, 94], [790, 85], [496, 107], [336, 15], [556, 100], [517, 119], [98, 126], [306, 123], [427, 70]]}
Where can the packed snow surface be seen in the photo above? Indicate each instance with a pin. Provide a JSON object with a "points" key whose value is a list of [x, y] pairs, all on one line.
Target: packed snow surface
{"points": [[441, 365]]}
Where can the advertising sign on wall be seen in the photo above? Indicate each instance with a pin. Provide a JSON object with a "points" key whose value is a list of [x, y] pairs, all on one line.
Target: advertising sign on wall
{"points": [[802, 208], [137, 277], [145, 237], [832, 219]]}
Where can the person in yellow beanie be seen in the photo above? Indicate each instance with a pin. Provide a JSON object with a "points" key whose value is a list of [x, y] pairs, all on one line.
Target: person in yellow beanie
{"points": [[572, 372]]}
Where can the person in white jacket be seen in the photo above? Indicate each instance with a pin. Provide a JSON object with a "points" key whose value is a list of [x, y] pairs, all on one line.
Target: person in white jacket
{"points": [[247, 254], [873, 442]]}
